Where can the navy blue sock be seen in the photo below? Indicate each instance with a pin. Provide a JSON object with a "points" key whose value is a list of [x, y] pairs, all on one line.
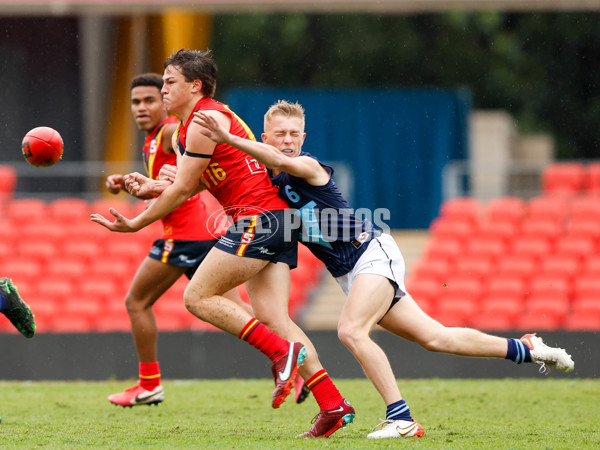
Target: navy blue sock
{"points": [[398, 411], [518, 351], [2, 302]]}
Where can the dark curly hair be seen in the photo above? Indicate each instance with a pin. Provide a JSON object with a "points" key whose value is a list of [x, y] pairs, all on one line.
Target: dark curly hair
{"points": [[196, 65]]}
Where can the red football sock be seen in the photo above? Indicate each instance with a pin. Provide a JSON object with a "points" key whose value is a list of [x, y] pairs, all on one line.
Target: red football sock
{"points": [[325, 392], [149, 375], [259, 336]]}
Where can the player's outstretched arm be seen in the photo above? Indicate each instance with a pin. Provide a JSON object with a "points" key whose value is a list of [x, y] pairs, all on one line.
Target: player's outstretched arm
{"points": [[300, 166]]}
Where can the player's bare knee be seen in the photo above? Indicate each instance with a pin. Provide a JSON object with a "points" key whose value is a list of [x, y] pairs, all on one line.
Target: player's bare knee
{"points": [[349, 335], [133, 304]]}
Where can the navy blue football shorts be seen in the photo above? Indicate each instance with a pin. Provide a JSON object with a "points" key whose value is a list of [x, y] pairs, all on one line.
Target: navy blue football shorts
{"points": [[271, 236], [181, 253]]}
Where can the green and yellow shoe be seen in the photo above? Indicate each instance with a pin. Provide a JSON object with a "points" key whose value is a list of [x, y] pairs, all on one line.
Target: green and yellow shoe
{"points": [[16, 309]]}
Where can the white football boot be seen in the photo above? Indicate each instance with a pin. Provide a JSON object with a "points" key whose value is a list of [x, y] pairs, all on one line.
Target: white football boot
{"points": [[397, 429], [547, 356]]}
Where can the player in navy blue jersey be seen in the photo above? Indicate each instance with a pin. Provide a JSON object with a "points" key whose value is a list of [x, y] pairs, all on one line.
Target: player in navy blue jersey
{"points": [[369, 267]]}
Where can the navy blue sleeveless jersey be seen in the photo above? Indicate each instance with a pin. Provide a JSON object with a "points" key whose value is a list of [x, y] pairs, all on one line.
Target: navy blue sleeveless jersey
{"points": [[330, 229]]}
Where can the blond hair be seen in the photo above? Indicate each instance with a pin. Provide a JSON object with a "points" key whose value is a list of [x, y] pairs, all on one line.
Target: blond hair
{"points": [[286, 109]]}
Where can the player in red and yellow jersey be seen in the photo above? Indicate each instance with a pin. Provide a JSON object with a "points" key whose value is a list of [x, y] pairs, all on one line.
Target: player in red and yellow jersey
{"points": [[187, 238], [258, 249]]}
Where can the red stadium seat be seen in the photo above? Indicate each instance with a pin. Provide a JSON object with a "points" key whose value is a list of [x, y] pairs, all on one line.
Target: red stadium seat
{"points": [[462, 287], [81, 250], [575, 246], [21, 269], [70, 323], [503, 305], [27, 211], [530, 247], [65, 268], [505, 209], [541, 228], [497, 229], [547, 208], [506, 285], [438, 269], [57, 289], [451, 228], [6, 250], [425, 289], [68, 210], [120, 203], [563, 178], [89, 231], [113, 321], [131, 251], [585, 207], [477, 266], [173, 321], [456, 310], [487, 247], [591, 266], [556, 305], [48, 231], [447, 249], [84, 306], [118, 270], [101, 290], [537, 321], [492, 322], [587, 304], [592, 183], [517, 266], [584, 227], [578, 321], [9, 232], [587, 285], [465, 208], [549, 285], [37, 249], [43, 305], [560, 266]]}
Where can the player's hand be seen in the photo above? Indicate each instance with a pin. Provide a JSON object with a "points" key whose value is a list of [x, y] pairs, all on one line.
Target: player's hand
{"points": [[167, 173], [210, 127], [140, 186], [115, 183], [121, 224]]}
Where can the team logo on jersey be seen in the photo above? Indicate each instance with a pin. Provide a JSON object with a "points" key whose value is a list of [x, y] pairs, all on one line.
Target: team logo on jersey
{"points": [[153, 146], [360, 239], [254, 166]]}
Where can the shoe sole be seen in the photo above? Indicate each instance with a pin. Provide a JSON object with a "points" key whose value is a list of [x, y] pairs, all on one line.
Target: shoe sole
{"points": [[154, 402], [348, 418], [287, 389]]}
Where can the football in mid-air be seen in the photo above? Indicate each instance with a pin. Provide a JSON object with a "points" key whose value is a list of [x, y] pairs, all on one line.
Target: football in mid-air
{"points": [[42, 147]]}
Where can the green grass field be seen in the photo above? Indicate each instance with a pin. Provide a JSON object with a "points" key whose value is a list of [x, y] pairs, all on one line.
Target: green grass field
{"points": [[456, 414]]}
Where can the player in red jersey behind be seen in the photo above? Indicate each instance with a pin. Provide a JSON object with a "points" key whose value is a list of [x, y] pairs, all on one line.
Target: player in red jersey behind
{"points": [[258, 249], [186, 240]]}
